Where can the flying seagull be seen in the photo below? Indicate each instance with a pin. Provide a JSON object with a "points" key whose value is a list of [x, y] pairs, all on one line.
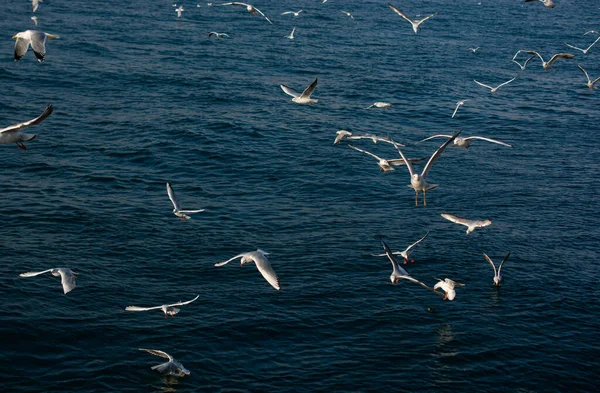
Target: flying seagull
{"points": [[176, 208], [585, 51], [406, 253], [291, 35], [398, 272], [379, 104], [292, 12], [13, 133], [251, 9], [547, 3], [172, 367], [447, 285], [497, 276], [259, 257], [470, 224], [386, 165], [549, 63], [179, 10], [418, 182], [524, 65], [474, 50], [416, 24], [35, 38], [67, 277], [35, 4], [35, 20], [348, 14], [590, 83], [458, 105], [165, 308], [494, 89], [218, 35], [343, 134], [466, 141], [303, 98]]}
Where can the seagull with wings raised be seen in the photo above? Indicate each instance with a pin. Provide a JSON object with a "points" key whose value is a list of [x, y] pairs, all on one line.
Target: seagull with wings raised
{"points": [[416, 24], [418, 182], [494, 89], [458, 105], [176, 208], [447, 285], [406, 253], [259, 257], [218, 35], [386, 165], [590, 83], [465, 141], [251, 9], [35, 38], [547, 3], [497, 276], [172, 367], [343, 134], [548, 64], [291, 35], [585, 51], [295, 13], [14, 134], [524, 65], [474, 50], [165, 308], [470, 224], [303, 98], [67, 277]]}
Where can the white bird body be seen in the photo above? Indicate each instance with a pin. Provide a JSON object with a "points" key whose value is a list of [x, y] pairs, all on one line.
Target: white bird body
{"points": [[303, 98], [291, 35], [179, 10], [494, 89], [250, 8], [547, 3], [14, 134], [176, 208], [379, 104], [497, 276], [295, 13], [416, 24], [465, 141], [548, 64], [447, 285], [259, 257], [470, 224], [343, 134], [167, 309], [67, 277], [172, 367], [586, 50], [406, 253], [35, 38], [590, 83]]}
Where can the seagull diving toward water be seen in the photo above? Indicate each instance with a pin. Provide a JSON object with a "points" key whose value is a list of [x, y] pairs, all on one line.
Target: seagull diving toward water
{"points": [[494, 89], [259, 257], [585, 51], [218, 35], [547, 3], [447, 285], [466, 141], [292, 12], [590, 83], [524, 65], [165, 308], [497, 276], [35, 4], [172, 367], [35, 38], [67, 277], [343, 134], [470, 224], [458, 105], [179, 10], [549, 63], [406, 253], [251, 9], [379, 104], [418, 182], [13, 133], [416, 24], [303, 98], [386, 165], [291, 36], [176, 208]]}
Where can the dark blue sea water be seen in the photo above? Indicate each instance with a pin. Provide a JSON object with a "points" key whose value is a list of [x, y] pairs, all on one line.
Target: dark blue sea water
{"points": [[142, 98]]}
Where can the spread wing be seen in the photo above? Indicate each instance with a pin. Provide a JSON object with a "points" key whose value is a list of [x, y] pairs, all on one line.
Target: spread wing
{"points": [[584, 71], [21, 46], [38, 44], [436, 136], [409, 278], [264, 267], [488, 140], [19, 126], [263, 15], [136, 308], [396, 10], [556, 57], [502, 263], [156, 352], [364, 151], [532, 52], [506, 83], [411, 170], [67, 279], [400, 161], [456, 219], [437, 153], [491, 263], [172, 197], [415, 243], [482, 84], [31, 274], [229, 260], [308, 91], [183, 303], [289, 91]]}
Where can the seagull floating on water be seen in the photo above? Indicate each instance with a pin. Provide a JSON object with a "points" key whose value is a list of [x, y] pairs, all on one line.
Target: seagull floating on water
{"points": [[549, 63], [343, 134], [416, 24], [259, 257], [465, 141], [590, 83], [251, 9], [176, 208], [458, 105], [35, 38], [497, 276], [13, 134], [303, 98], [386, 165], [447, 285], [586, 50], [406, 253], [296, 13], [470, 224], [218, 35], [494, 89], [67, 277], [165, 308], [291, 35], [379, 104], [172, 367], [547, 3]]}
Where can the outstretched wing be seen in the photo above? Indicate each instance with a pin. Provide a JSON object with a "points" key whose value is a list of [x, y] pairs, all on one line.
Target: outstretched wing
{"points": [[574, 47], [411, 170], [264, 267], [19, 126], [456, 219], [502, 263], [263, 15], [136, 308], [183, 303], [415, 243], [289, 91], [67, 279], [488, 140], [396, 10], [427, 17], [482, 84], [437, 153], [364, 151], [172, 197], [308, 91], [409, 278], [560, 56], [31, 274], [229, 260], [506, 83], [491, 263], [584, 71], [156, 352], [436, 136]]}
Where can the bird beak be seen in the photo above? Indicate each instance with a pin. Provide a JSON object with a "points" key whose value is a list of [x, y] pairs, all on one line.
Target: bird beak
{"points": [[14, 36]]}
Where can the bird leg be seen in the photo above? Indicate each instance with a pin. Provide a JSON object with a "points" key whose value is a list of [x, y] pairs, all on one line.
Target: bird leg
{"points": [[424, 198], [416, 198], [405, 261], [21, 146], [445, 296]]}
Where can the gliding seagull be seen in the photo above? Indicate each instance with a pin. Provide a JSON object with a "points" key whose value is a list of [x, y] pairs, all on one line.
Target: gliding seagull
{"points": [[494, 89], [585, 51], [497, 276], [259, 257], [251, 9], [176, 208], [303, 98], [466, 141], [406, 253], [13, 133], [165, 308], [590, 84], [557, 56], [348, 14], [67, 277], [35, 4], [416, 24], [292, 12], [343, 134], [35, 38], [470, 224], [524, 65], [172, 367]]}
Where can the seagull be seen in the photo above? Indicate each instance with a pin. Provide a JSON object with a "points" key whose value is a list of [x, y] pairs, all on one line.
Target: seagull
{"points": [[548, 64], [524, 65], [494, 89], [35, 4], [303, 98], [292, 12], [291, 36], [36, 38], [416, 24], [590, 83], [172, 367], [466, 141], [458, 105], [418, 182], [348, 14], [35, 20], [380, 104], [470, 224], [547, 3], [447, 285], [165, 308], [474, 50], [251, 9], [585, 51], [179, 10], [497, 276], [590, 32], [406, 253], [176, 208], [13, 133], [343, 134], [218, 35], [398, 271], [386, 165], [259, 257], [67, 277]]}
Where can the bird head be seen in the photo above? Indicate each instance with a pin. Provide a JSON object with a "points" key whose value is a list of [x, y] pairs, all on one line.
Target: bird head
{"points": [[497, 281]]}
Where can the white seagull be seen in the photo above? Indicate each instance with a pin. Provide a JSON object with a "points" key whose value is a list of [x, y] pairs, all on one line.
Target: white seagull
{"points": [[35, 38], [524, 65], [379, 104], [418, 182], [386, 165], [303, 98], [398, 272], [590, 83], [291, 35], [497, 276], [494, 89], [296, 13], [474, 50], [179, 10], [343, 134], [447, 285], [470, 224], [416, 24], [172, 367], [547, 3], [591, 32], [549, 63], [218, 35], [35, 20], [13, 134], [347, 14], [251, 9], [35, 4], [259, 257], [406, 253], [585, 51], [176, 208], [458, 105], [67, 277], [465, 141], [165, 308]]}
